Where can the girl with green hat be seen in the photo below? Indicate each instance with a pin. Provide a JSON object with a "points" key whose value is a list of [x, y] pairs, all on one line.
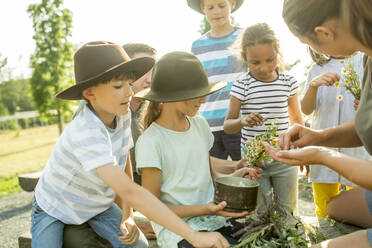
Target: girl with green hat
{"points": [[173, 152]]}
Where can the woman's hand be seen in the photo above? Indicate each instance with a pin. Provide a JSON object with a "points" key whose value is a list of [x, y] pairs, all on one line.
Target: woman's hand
{"points": [[251, 120], [217, 209], [298, 136], [303, 156], [130, 232], [209, 240], [325, 79]]}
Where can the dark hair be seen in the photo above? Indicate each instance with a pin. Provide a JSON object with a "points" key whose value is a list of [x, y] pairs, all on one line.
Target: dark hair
{"points": [[133, 48], [302, 16], [260, 33], [131, 76], [357, 17]]}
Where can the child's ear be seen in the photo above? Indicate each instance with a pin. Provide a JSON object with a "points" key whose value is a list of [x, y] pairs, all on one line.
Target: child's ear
{"points": [[88, 94], [324, 33]]}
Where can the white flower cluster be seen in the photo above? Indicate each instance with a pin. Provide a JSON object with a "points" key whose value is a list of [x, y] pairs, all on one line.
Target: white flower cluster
{"points": [[255, 153]]}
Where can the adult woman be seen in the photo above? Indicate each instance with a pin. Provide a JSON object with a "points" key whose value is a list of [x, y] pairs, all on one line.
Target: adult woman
{"points": [[338, 28]]}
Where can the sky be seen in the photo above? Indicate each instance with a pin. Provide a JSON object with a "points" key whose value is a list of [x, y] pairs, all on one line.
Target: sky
{"points": [[167, 25]]}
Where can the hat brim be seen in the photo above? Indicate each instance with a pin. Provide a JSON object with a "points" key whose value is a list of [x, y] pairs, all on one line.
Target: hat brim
{"points": [[139, 66], [195, 5], [184, 95]]}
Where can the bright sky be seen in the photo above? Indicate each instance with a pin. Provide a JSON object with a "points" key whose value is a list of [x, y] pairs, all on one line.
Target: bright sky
{"points": [[167, 25]]}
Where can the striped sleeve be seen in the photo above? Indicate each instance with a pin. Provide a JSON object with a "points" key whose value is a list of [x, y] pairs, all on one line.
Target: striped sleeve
{"points": [[238, 90], [293, 86]]}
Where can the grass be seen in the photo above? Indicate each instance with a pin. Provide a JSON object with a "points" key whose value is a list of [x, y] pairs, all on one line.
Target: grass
{"points": [[24, 151]]}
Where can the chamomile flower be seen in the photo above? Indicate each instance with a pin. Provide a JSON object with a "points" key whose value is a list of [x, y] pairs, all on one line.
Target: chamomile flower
{"points": [[337, 83], [340, 97], [342, 61]]}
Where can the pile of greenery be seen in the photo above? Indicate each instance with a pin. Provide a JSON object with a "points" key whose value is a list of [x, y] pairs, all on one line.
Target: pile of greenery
{"points": [[273, 228]]}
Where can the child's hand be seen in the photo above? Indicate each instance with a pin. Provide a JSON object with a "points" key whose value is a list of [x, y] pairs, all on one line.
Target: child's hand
{"points": [[251, 120], [326, 79], [130, 231], [253, 173], [214, 209], [356, 104], [209, 239]]}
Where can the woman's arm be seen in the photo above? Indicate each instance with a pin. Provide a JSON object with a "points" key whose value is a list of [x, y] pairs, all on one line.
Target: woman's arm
{"points": [[356, 170], [294, 110]]}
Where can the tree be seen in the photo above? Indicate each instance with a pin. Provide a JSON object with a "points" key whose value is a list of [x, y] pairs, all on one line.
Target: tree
{"points": [[3, 63], [52, 60]]}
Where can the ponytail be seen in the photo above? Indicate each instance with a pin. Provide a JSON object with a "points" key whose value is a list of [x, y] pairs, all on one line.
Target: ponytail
{"points": [[152, 113]]}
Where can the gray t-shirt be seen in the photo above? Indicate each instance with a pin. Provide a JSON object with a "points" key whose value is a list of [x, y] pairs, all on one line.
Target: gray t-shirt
{"points": [[363, 118]]}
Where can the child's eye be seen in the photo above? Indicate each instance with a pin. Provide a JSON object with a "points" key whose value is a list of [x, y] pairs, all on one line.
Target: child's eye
{"points": [[118, 86]]}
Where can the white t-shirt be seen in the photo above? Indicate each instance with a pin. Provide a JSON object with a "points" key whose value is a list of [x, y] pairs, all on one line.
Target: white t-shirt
{"points": [[330, 112], [70, 188], [183, 158]]}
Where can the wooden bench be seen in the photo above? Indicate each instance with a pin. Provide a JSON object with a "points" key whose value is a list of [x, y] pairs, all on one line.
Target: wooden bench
{"points": [[28, 181], [24, 241]]}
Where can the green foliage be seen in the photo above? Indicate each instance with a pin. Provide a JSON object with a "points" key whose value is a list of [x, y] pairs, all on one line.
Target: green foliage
{"points": [[9, 186], [15, 96], [52, 59]]}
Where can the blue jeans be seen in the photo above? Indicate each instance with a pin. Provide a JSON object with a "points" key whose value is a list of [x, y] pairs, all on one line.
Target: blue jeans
{"points": [[281, 179], [47, 231]]}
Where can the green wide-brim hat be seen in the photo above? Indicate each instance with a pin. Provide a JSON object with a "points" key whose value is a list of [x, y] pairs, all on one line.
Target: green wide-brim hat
{"points": [[195, 5], [179, 76], [97, 61]]}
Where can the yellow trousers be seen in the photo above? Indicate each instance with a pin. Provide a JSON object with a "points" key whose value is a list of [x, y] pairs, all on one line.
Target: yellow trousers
{"points": [[323, 193]]}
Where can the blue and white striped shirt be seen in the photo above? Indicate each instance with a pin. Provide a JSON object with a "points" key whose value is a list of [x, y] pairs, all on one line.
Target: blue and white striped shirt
{"points": [[221, 65], [70, 188]]}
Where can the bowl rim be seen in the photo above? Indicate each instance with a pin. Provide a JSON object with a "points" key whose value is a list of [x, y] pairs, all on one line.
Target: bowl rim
{"points": [[257, 184]]}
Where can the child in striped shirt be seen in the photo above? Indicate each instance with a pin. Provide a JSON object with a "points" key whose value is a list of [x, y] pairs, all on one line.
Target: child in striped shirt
{"points": [[212, 49], [265, 93]]}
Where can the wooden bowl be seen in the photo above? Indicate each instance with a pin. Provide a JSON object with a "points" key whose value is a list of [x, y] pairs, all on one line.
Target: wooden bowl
{"points": [[239, 193]]}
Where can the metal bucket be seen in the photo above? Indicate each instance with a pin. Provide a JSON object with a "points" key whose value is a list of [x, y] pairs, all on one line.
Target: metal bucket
{"points": [[239, 193]]}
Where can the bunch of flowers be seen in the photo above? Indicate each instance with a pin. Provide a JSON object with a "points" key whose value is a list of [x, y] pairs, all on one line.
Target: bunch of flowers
{"points": [[254, 152], [351, 79]]}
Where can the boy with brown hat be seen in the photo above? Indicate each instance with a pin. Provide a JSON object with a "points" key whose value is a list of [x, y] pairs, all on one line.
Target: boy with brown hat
{"points": [[89, 169], [212, 49]]}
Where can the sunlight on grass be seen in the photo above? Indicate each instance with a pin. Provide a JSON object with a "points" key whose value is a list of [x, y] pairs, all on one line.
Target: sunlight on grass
{"points": [[24, 151]]}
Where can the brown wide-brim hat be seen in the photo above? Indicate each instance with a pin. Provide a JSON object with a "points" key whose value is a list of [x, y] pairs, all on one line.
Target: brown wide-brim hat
{"points": [[195, 5], [179, 76], [99, 61]]}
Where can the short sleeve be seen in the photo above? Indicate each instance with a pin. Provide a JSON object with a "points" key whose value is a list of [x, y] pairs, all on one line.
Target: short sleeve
{"points": [[148, 153], [293, 86], [92, 148], [238, 90]]}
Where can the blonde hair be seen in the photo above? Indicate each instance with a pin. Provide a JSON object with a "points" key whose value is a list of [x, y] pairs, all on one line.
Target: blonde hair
{"points": [[260, 33], [153, 112], [356, 15], [319, 59]]}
